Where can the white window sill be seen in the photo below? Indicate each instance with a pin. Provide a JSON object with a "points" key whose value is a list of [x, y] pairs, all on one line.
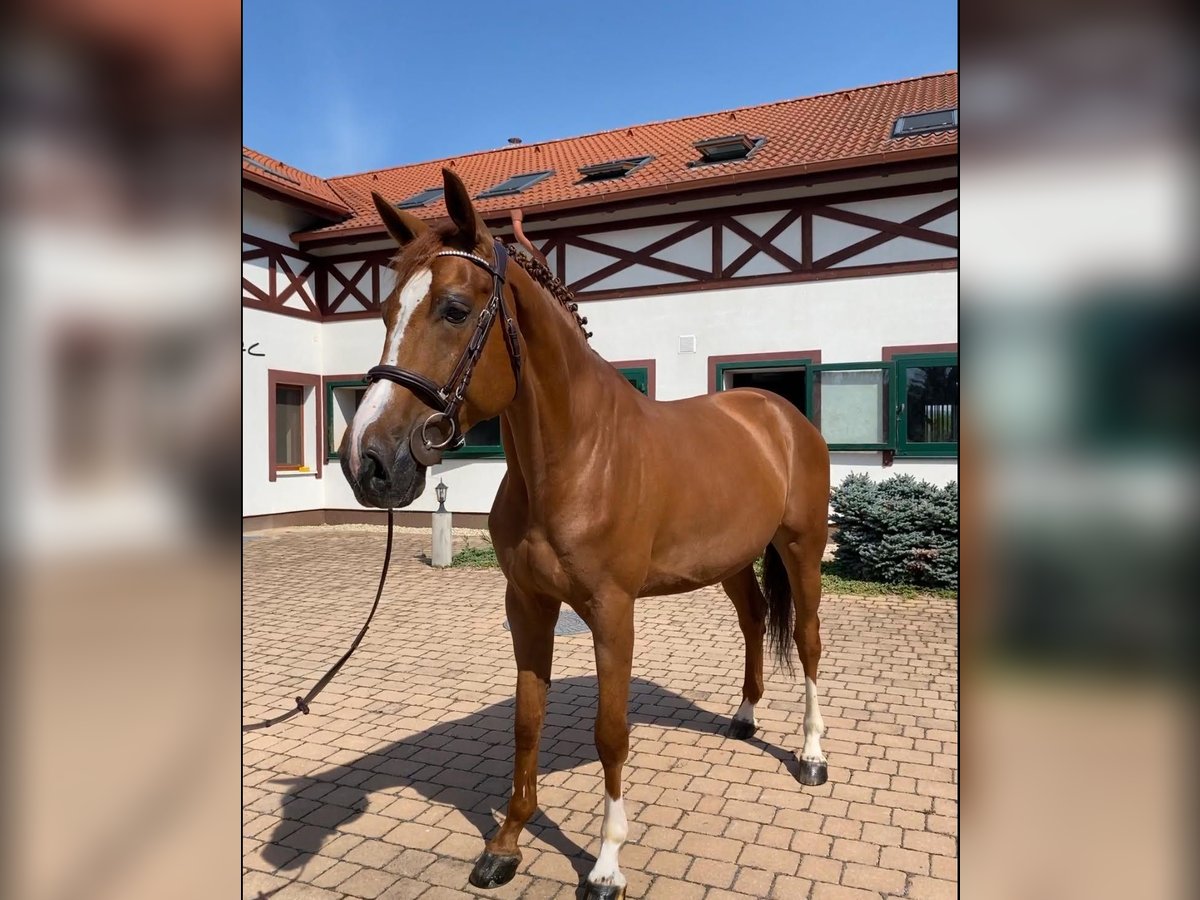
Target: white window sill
{"points": [[289, 473]]}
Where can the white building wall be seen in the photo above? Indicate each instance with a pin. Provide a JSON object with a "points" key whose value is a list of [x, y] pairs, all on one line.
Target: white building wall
{"points": [[293, 345], [847, 320]]}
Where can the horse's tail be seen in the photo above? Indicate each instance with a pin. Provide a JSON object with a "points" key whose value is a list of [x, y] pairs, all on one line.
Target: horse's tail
{"points": [[780, 611]]}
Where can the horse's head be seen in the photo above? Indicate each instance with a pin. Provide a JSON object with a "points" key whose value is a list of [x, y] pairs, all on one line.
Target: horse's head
{"points": [[440, 308]]}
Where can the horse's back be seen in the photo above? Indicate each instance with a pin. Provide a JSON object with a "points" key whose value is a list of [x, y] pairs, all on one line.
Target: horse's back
{"points": [[766, 418]]}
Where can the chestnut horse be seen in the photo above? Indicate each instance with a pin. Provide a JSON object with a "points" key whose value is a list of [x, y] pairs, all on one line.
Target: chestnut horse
{"points": [[609, 496]]}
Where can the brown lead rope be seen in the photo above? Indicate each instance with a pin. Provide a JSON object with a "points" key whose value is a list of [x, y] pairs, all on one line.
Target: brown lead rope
{"points": [[302, 702]]}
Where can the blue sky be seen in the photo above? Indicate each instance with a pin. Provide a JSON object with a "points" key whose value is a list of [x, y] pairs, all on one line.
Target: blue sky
{"points": [[342, 86]]}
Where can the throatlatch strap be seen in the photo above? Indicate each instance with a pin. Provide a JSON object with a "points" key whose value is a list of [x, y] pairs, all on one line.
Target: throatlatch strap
{"points": [[302, 702]]}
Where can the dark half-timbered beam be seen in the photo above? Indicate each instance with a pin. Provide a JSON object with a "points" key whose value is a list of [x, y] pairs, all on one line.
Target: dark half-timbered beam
{"points": [[645, 256], [768, 239], [760, 244], [875, 240]]}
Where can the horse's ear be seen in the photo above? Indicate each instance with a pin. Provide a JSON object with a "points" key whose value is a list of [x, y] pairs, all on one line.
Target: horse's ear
{"points": [[402, 226], [472, 232]]}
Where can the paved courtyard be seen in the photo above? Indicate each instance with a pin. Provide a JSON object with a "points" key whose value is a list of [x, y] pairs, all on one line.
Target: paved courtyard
{"points": [[388, 788]]}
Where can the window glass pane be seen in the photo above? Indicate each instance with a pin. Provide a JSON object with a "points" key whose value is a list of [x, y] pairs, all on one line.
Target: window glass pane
{"points": [[931, 403], [346, 401], [485, 434], [636, 377], [788, 384], [852, 405], [289, 433]]}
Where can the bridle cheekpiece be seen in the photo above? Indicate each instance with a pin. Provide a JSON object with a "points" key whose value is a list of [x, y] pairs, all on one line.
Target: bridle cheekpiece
{"points": [[441, 431]]}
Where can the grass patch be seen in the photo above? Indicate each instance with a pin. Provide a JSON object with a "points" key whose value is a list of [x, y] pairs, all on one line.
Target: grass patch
{"points": [[475, 557], [832, 583], [484, 557]]}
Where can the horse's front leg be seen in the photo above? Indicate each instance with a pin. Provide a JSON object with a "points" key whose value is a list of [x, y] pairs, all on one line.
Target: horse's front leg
{"points": [[612, 633], [532, 624]]}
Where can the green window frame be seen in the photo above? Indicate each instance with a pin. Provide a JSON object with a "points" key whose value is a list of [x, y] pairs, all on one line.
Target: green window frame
{"points": [[638, 376], [804, 362], [330, 450], [904, 363], [893, 411], [477, 451]]}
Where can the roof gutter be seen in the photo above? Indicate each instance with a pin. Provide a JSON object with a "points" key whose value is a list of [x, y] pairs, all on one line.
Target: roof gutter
{"points": [[263, 185], [738, 179]]}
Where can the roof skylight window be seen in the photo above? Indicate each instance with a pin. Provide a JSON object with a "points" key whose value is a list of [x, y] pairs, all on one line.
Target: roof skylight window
{"points": [[424, 198], [616, 168], [514, 185], [922, 123], [729, 148], [250, 160]]}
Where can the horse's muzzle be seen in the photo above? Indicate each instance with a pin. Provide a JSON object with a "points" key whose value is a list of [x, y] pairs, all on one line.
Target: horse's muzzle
{"points": [[386, 480]]}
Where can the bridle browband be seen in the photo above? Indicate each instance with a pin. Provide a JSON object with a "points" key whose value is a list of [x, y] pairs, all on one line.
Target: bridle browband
{"points": [[448, 399]]}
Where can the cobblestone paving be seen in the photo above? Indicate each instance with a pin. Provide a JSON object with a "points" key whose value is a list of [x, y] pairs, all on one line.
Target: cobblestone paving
{"points": [[388, 788]]}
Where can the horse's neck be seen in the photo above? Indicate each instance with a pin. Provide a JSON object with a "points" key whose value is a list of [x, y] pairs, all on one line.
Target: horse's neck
{"points": [[560, 377]]}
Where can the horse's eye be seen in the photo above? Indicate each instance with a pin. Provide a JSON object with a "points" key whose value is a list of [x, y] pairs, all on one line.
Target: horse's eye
{"points": [[456, 314]]}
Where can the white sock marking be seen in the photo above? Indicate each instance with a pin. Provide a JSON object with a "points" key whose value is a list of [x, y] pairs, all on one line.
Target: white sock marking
{"points": [[745, 713], [379, 394], [612, 833], [814, 726]]}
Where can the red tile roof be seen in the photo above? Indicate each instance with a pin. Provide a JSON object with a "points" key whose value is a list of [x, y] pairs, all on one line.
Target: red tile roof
{"points": [[839, 130], [264, 171]]}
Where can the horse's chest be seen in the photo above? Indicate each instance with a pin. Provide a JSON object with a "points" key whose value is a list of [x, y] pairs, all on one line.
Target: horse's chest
{"points": [[534, 568]]}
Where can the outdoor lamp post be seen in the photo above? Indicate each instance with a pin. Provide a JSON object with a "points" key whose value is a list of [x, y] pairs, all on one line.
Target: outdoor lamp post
{"points": [[443, 542]]}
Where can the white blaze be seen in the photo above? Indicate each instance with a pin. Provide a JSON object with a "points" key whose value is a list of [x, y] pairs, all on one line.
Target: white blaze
{"points": [[379, 394], [612, 834]]}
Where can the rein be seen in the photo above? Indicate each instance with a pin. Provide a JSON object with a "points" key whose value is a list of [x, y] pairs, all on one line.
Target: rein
{"points": [[447, 434], [302, 702]]}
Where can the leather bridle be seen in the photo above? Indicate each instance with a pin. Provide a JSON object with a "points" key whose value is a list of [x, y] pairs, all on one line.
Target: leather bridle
{"points": [[441, 431]]}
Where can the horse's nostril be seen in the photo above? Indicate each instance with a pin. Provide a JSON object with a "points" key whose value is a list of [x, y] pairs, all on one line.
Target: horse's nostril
{"points": [[373, 468]]}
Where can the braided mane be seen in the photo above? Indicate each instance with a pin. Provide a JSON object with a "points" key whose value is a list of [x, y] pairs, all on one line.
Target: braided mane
{"points": [[547, 279]]}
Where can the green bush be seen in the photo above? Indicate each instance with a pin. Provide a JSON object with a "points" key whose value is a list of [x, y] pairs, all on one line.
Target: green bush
{"points": [[897, 531]]}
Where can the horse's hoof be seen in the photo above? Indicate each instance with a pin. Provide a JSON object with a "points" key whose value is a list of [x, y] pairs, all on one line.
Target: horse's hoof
{"points": [[741, 729], [492, 871], [603, 892], [813, 773]]}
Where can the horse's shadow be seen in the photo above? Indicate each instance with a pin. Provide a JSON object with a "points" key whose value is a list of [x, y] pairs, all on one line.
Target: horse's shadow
{"points": [[467, 763]]}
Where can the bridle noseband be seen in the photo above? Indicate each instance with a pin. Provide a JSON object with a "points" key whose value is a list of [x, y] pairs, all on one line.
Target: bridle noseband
{"points": [[427, 441]]}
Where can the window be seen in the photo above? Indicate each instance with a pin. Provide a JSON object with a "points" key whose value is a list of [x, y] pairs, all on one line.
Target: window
{"points": [[726, 149], [514, 185], [850, 404], [907, 404], [921, 123], [343, 396], [294, 424], [638, 372], [425, 197], [617, 168], [787, 377], [483, 442], [927, 411], [289, 426], [638, 376]]}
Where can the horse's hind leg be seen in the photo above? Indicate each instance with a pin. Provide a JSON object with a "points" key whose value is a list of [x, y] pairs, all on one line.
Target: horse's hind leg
{"points": [[751, 607], [801, 554], [532, 623]]}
